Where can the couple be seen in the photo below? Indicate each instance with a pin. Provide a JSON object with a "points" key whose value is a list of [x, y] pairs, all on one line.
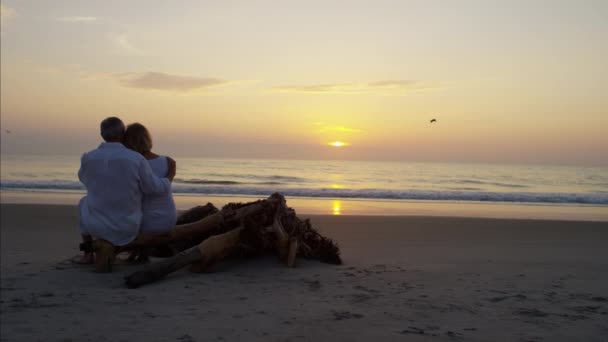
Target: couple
{"points": [[128, 187]]}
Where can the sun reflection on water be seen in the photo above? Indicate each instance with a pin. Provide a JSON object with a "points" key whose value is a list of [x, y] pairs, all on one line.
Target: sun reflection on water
{"points": [[337, 208]]}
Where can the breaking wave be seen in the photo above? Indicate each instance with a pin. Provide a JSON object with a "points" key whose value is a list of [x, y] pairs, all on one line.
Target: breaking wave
{"points": [[204, 187]]}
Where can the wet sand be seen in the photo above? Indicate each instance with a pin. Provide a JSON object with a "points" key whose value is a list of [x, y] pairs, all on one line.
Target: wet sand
{"points": [[360, 207], [405, 278]]}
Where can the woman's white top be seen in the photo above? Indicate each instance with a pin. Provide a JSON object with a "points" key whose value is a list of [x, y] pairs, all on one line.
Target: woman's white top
{"points": [[159, 213]]}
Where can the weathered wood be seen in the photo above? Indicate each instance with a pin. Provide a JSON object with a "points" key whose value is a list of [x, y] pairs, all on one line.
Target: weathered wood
{"points": [[200, 229], [204, 255], [218, 248], [211, 222], [225, 219], [160, 269], [196, 213], [265, 226], [292, 252], [282, 239]]}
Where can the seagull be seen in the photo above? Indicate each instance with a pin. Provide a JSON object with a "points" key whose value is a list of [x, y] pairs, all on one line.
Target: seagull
{"points": [[433, 120]]}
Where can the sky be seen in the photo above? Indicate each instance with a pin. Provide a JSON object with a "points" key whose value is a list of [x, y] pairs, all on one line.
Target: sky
{"points": [[507, 81]]}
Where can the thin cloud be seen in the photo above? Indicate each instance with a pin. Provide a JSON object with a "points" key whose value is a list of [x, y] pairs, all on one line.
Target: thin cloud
{"points": [[393, 83], [404, 84], [350, 88], [320, 88], [167, 82], [78, 19], [123, 45], [340, 129]]}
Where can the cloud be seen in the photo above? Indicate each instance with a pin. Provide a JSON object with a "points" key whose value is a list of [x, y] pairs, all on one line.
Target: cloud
{"points": [[78, 19], [393, 83], [354, 88], [123, 45], [168, 82], [323, 128], [405, 84], [6, 13], [320, 88], [340, 129]]}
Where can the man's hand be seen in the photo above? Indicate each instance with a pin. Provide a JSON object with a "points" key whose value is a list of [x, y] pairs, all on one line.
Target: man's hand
{"points": [[172, 168]]}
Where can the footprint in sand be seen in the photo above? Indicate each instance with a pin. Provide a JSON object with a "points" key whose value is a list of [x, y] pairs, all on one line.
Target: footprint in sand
{"points": [[453, 334], [342, 315], [530, 312], [430, 330], [359, 298], [186, 338], [363, 288], [150, 314], [313, 285], [413, 330], [518, 297], [586, 309]]}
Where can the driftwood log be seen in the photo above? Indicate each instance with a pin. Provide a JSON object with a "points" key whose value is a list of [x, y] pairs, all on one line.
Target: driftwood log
{"points": [[205, 236]]}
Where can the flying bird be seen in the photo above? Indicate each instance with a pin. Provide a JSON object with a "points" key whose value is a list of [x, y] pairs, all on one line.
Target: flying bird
{"points": [[433, 120]]}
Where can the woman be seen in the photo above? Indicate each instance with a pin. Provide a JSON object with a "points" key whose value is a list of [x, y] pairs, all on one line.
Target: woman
{"points": [[159, 213]]}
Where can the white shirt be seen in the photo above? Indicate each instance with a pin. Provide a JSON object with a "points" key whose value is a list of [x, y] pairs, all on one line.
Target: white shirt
{"points": [[115, 178], [159, 214]]}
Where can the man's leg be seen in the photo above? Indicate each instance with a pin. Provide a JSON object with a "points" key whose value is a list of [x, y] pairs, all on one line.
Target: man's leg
{"points": [[88, 256], [105, 255]]}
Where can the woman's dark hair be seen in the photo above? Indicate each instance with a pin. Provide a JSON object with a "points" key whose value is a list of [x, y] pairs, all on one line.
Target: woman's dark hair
{"points": [[138, 138]]}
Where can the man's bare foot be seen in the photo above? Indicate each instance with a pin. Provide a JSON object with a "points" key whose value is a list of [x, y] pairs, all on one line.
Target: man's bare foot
{"points": [[85, 259]]}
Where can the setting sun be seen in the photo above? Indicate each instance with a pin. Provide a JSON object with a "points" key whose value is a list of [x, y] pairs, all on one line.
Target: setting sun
{"points": [[338, 144]]}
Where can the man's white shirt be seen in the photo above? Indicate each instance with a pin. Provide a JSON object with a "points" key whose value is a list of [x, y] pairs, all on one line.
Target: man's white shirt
{"points": [[116, 178]]}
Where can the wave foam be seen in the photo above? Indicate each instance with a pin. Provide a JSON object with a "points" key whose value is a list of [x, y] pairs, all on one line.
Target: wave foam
{"points": [[451, 195]]}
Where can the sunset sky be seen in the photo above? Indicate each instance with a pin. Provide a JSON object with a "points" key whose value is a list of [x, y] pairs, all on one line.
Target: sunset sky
{"points": [[507, 81]]}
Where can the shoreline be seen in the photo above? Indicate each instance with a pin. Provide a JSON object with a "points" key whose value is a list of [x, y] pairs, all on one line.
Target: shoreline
{"points": [[361, 207]]}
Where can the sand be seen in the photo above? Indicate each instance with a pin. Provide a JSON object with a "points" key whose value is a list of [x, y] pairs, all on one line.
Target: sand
{"points": [[403, 279]]}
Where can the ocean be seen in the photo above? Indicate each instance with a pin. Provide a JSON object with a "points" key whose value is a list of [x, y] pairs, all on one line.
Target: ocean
{"points": [[535, 184]]}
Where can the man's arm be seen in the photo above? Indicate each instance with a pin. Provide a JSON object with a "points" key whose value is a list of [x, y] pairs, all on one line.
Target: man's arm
{"points": [[150, 183]]}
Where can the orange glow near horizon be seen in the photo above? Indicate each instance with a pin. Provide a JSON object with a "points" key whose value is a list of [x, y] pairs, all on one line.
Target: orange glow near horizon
{"points": [[241, 99], [338, 144]]}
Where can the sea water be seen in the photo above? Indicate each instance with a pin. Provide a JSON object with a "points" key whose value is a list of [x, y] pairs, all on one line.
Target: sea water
{"points": [[534, 184]]}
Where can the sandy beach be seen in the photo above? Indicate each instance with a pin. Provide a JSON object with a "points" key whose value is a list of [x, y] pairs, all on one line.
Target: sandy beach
{"points": [[454, 151], [403, 279]]}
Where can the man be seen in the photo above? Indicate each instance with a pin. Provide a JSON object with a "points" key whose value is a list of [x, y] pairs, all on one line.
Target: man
{"points": [[116, 178]]}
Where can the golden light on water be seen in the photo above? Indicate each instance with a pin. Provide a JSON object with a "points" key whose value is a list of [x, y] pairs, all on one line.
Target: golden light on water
{"points": [[338, 144], [337, 208], [336, 186]]}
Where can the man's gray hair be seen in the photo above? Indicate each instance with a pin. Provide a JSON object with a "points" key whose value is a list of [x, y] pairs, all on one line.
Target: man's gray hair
{"points": [[112, 129]]}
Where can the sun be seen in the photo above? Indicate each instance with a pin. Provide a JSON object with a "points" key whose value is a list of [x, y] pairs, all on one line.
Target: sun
{"points": [[338, 143]]}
